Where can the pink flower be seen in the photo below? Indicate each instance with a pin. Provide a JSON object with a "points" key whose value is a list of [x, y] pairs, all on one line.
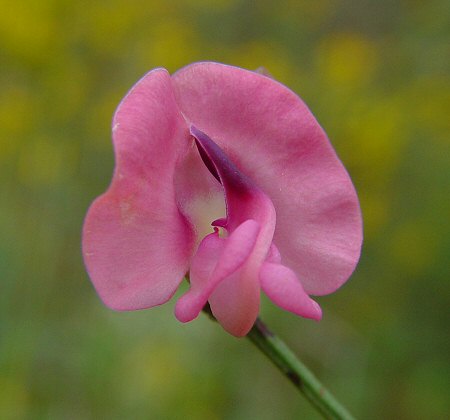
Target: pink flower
{"points": [[218, 145]]}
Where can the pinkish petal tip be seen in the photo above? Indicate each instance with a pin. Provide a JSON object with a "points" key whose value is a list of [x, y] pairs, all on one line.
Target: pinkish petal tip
{"points": [[283, 288]]}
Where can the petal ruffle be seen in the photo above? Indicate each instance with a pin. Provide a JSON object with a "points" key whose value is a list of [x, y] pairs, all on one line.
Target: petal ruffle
{"points": [[136, 244], [272, 137]]}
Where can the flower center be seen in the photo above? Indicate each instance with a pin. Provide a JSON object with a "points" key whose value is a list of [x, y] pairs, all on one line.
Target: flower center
{"points": [[228, 272], [244, 200]]}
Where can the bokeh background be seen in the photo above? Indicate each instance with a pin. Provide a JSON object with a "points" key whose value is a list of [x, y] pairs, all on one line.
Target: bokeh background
{"points": [[375, 74]]}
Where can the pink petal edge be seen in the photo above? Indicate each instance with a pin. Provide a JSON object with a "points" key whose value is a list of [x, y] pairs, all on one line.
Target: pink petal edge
{"points": [[270, 134], [136, 244]]}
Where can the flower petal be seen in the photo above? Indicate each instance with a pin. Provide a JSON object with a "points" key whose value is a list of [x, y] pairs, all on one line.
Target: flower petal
{"points": [[284, 289], [272, 137], [216, 259], [203, 263], [136, 243], [235, 301]]}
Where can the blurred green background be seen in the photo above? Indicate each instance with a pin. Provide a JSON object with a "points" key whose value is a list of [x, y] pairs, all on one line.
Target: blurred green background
{"points": [[375, 74]]}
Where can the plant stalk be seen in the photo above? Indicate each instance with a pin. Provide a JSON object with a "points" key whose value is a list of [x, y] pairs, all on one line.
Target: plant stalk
{"points": [[288, 363], [302, 378]]}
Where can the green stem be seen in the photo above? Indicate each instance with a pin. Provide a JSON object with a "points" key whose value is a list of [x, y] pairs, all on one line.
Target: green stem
{"points": [[302, 378]]}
